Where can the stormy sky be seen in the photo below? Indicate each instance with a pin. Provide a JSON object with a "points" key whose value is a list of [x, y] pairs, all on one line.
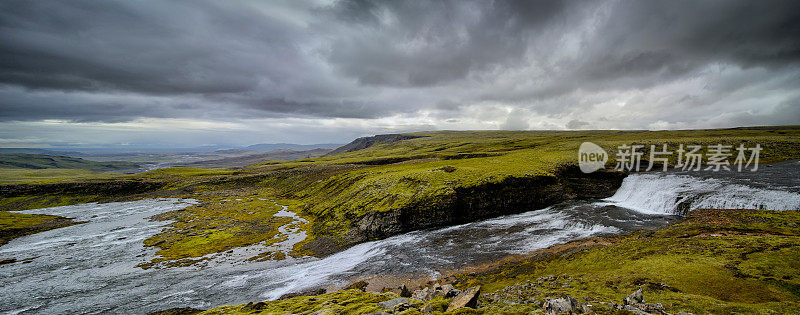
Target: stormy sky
{"points": [[189, 73]]}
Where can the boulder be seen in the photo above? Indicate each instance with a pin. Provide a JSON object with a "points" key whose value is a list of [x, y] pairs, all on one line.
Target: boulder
{"points": [[360, 285], [421, 294], [635, 303], [446, 291], [391, 304], [567, 305], [402, 291], [634, 298], [429, 293], [467, 298]]}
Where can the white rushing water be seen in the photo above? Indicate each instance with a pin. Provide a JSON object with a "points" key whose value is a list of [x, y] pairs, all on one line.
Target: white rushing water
{"points": [[659, 193], [91, 267]]}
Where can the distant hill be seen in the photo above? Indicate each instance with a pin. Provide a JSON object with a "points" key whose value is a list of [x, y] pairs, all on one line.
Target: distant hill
{"points": [[39, 151], [40, 161], [366, 142], [241, 161], [266, 147], [235, 152]]}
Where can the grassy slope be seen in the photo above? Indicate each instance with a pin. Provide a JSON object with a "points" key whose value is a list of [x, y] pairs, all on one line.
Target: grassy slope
{"points": [[332, 191], [14, 225], [52, 175], [715, 261], [39, 161], [478, 157]]}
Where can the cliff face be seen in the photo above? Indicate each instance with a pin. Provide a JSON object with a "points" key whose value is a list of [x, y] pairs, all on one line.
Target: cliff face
{"points": [[22, 196], [104, 188], [511, 196]]}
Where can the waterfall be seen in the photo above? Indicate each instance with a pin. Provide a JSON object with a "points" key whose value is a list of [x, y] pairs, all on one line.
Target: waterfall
{"points": [[677, 194]]}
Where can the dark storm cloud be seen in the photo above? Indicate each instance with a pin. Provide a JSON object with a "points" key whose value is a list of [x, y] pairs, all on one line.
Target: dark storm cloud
{"points": [[98, 45], [428, 43], [122, 60], [672, 38]]}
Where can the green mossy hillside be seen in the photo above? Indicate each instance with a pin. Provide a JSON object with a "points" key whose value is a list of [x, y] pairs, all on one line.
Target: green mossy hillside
{"points": [[339, 302], [334, 191], [41, 176]]}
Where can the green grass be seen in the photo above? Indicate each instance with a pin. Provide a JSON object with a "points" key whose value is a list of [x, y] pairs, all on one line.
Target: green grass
{"points": [[173, 172], [720, 261], [14, 225], [340, 302], [10, 220], [40, 161], [215, 225], [41, 176]]}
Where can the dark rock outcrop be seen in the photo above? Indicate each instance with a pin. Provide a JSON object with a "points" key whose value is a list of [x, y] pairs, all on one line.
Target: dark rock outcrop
{"points": [[310, 292], [100, 188], [467, 204], [467, 298]]}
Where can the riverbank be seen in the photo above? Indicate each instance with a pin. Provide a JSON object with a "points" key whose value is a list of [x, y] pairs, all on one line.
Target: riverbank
{"points": [[13, 225], [712, 261]]}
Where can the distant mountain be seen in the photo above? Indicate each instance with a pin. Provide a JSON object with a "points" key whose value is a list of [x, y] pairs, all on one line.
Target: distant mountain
{"points": [[266, 147], [41, 161]]}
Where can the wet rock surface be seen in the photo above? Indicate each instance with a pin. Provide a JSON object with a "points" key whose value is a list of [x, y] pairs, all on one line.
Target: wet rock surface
{"points": [[467, 298]]}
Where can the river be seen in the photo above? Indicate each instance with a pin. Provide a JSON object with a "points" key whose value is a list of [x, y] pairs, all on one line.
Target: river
{"points": [[91, 267]]}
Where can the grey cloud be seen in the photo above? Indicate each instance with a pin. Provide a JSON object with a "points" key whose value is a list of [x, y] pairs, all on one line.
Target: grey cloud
{"points": [[119, 46], [115, 61], [430, 43], [577, 124]]}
